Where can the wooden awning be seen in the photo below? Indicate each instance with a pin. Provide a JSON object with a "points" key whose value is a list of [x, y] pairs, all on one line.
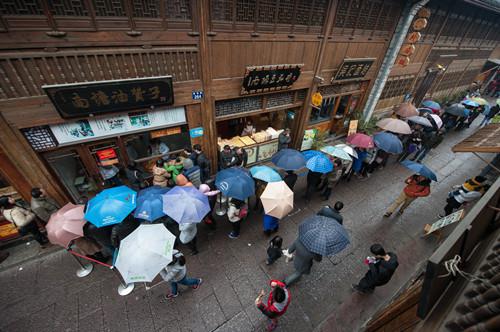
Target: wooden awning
{"points": [[486, 139]]}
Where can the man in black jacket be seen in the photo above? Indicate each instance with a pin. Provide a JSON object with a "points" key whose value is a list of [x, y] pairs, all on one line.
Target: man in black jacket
{"points": [[334, 213], [382, 267], [203, 162]]}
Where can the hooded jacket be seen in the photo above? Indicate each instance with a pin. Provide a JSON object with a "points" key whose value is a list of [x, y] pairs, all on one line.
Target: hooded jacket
{"points": [[416, 188], [174, 272], [275, 309]]}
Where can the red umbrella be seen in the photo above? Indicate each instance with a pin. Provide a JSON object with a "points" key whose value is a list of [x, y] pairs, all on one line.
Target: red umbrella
{"points": [[361, 140], [66, 225]]}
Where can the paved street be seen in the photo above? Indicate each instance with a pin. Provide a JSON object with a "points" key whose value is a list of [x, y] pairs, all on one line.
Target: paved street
{"points": [[45, 295]]}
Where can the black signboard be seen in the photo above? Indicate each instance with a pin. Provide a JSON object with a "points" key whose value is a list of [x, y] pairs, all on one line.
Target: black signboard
{"points": [[269, 78], [353, 68], [93, 98]]}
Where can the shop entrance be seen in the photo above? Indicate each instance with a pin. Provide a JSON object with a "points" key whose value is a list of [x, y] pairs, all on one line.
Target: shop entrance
{"points": [[344, 108]]}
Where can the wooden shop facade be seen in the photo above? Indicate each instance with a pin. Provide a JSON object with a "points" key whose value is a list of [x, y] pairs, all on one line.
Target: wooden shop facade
{"points": [[100, 82]]}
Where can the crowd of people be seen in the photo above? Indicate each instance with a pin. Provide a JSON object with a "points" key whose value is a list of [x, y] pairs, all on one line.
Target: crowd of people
{"points": [[192, 168]]}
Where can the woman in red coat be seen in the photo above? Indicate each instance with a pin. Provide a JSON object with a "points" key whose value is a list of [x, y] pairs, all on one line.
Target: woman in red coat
{"points": [[277, 303], [416, 186]]}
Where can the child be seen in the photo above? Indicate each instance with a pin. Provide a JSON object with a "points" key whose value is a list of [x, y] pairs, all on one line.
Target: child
{"points": [[274, 250], [277, 303], [176, 273]]}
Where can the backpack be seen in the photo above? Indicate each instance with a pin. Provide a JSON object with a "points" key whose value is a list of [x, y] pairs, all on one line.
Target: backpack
{"points": [[243, 212]]}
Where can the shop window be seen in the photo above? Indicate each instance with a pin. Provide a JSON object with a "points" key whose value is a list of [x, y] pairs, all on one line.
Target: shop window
{"points": [[72, 173], [343, 107], [151, 145], [324, 112]]}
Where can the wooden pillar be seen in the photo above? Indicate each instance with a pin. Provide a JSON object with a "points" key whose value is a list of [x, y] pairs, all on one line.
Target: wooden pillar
{"points": [[31, 171], [207, 104], [303, 117]]}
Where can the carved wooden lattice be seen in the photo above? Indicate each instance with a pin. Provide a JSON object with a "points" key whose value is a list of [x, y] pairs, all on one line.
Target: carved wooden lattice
{"points": [[21, 7], [267, 14], [365, 16], [109, 8], [23, 76], [146, 8], [179, 9], [40, 138], [280, 99], [240, 105], [68, 7], [397, 86]]}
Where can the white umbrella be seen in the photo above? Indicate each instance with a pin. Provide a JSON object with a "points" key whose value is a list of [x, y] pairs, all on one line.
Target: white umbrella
{"points": [[420, 120], [437, 119], [144, 253], [277, 199], [347, 148]]}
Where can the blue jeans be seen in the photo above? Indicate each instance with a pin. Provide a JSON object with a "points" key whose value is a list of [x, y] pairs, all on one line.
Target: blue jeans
{"points": [[184, 281]]}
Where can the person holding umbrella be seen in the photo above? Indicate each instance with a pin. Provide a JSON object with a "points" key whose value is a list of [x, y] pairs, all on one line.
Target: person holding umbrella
{"points": [[176, 273], [381, 268], [277, 201], [277, 303], [318, 237], [235, 214], [417, 185]]}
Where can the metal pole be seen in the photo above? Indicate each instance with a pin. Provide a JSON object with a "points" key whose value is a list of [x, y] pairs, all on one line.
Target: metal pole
{"points": [[490, 164], [124, 288], [85, 269]]}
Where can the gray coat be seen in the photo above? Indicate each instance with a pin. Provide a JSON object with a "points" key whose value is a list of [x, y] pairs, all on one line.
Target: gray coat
{"points": [[303, 259], [188, 232], [44, 207]]}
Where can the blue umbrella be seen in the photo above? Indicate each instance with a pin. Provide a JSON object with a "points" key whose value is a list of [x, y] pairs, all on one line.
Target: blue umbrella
{"points": [[111, 206], [235, 182], [150, 203], [431, 104], [323, 236], [265, 173], [457, 110], [469, 102], [186, 205], [388, 142], [320, 164], [289, 159], [310, 153], [419, 169]]}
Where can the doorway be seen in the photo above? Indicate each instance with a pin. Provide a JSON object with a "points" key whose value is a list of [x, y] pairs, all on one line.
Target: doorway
{"points": [[343, 112]]}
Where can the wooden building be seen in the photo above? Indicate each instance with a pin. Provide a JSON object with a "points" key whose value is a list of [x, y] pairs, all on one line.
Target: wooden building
{"points": [[213, 50], [455, 45]]}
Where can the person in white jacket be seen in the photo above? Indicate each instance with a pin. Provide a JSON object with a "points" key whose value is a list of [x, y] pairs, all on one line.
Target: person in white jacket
{"points": [[176, 273], [188, 236], [471, 189], [23, 219]]}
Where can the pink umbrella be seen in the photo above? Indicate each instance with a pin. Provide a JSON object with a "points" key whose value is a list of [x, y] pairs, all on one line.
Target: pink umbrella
{"points": [[66, 225], [361, 140]]}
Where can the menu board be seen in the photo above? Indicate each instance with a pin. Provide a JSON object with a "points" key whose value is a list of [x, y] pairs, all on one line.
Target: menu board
{"points": [[90, 129], [266, 151]]}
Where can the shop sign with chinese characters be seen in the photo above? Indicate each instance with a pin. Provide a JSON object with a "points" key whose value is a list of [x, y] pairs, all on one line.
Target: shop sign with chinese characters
{"points": [[270, 78], [102, 127], [94, 98], [353, 68]]}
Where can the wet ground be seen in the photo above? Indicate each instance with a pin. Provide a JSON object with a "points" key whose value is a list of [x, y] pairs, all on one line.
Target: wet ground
{"points": [[43, 293]]}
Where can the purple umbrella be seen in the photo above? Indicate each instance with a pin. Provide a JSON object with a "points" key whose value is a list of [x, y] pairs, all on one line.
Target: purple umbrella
{"points": [[186, 205]]}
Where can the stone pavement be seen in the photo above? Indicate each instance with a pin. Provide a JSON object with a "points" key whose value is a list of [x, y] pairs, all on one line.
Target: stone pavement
{"points": [[45, 295]]}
